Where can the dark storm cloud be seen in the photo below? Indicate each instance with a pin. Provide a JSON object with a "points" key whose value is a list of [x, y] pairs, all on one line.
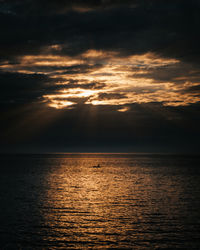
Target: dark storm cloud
{"points": [[193, 89], [54, 69], [169, 28], [80, 69], [177, 73], [148, 127], [107, 96], [92, 85], [57, 7], [19, 88]]}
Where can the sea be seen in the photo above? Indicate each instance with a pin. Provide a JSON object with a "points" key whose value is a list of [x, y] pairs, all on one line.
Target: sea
{"points": [[99, 201]]}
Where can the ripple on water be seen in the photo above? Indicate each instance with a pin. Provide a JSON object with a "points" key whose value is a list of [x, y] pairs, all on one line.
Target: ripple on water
{"points": [[137, 202]]}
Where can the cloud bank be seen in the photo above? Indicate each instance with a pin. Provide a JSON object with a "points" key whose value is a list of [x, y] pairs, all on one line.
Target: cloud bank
{"points": [[118, 58]]}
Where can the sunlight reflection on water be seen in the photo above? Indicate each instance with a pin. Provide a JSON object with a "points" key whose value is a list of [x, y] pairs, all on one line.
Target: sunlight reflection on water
{"points": [[129, 202]]}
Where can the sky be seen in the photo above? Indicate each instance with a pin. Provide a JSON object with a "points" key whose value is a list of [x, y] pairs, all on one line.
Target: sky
{"points": [[99, 76]]}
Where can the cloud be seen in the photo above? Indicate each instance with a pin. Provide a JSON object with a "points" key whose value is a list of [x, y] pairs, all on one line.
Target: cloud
{"points": [[20, 88], [84, 61], [145, 127], [167, 28], [107, 96], [52, 7], [100, 78]]}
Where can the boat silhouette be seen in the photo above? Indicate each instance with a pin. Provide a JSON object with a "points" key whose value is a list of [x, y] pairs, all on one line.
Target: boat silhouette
{"points": [[97, 166]]}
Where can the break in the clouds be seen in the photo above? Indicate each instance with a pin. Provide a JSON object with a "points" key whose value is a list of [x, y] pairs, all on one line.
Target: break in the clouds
{"points": [[107, 78], [138, 51], [121, 57]]}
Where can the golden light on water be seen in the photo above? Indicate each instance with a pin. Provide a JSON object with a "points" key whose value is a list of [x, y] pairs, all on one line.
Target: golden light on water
{"points": [[85, 199], [99, 76], [89, 205]]}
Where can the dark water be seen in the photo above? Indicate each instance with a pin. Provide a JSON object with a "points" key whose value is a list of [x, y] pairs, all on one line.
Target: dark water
{"points": [[130, 202]]}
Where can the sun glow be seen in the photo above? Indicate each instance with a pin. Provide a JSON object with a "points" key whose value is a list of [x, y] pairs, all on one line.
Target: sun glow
{"points": [[104, 78], [60, 104]]}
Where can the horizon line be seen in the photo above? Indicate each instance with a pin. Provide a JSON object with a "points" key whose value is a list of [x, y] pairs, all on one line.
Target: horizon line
{"points": [[93, 153]]}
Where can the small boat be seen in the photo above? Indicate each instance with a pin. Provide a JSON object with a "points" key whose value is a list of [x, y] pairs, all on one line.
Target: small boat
{"points": [[97, 166]]}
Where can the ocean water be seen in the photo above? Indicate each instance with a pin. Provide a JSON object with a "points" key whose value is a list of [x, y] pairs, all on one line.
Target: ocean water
{"points": [[132, 201]]}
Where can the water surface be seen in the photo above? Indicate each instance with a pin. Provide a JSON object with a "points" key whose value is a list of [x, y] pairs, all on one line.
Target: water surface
{"points": [[130, 202]]}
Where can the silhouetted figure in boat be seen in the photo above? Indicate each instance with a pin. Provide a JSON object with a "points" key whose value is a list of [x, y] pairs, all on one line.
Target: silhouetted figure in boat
{"points": [[97, 166]]}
